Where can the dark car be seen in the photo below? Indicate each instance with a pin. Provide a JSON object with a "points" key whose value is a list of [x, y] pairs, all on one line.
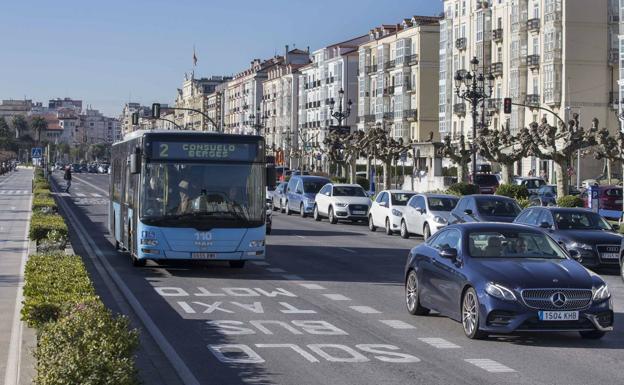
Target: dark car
{"points": [[610, 198], [488, 183], [505, 278], [92, 168], [484, 208], [547, 195], [577, 229], [532, 184], [76, 168]]}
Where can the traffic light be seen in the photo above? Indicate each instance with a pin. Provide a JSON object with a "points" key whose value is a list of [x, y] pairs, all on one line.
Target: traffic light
{"points": [[135, 118], [156, 110], [507, 105]]}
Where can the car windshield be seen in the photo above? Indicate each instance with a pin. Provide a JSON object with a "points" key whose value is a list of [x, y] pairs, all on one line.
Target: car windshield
{"points": [[313, 186], [486, 179], [512, 244], [442, 204], [613, 192], [187, 193], [497, 207], [400, 199], [349, 191], [580, 220]]}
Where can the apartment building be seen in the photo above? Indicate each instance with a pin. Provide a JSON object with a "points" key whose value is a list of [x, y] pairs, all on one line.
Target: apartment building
{"points": [[398, 79], [553, 54], [125, 119], [333, 68], [215, 103], [98, 128], [194, 95], [280, 102]]}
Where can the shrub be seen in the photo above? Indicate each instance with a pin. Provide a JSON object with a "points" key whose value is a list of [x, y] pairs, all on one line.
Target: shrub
{"points": [[463, 189], [52, 282], [365, 183], [41, 184], [42, 224], [42, 193], [39, 172], [514, 191], [45, 205], [88, 345], [570, 201], [339, 179], [524, 202]]}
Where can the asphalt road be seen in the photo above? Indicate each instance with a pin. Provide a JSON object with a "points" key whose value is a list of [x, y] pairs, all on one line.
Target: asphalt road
{"points": [[326, 308]]}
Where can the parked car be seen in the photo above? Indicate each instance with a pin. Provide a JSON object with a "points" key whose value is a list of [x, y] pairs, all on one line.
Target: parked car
{"points": [[484, 208], [279, 197], [425, 214], [340, 202], [547, 195], [269, 216], [76, 168], [92, 168], [505, 278], [577, 229], [301, 192], [488, 183], [387, 210], [610, 197], [532, 184], [103, 168]]}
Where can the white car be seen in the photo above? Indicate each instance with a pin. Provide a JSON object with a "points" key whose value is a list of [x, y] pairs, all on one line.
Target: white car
{"points": [[425, 214], [341, 201], [387, 210]]}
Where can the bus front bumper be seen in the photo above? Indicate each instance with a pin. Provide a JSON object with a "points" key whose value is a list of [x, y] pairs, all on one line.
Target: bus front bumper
{"points": [[155, 254]]}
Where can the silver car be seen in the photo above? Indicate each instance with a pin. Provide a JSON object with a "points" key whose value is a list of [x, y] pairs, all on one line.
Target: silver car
{"points": [[425, 214], [279, 197]]}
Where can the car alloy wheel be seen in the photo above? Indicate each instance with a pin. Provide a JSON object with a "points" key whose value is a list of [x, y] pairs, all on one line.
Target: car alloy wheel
{"points": [[317, 216], [404, 232], [388, 229], [622, 268], [331, 216], [282, 209], [470, 315], [302, 211], [288, 212], [411, 295], [426, 232], [371, 226]]}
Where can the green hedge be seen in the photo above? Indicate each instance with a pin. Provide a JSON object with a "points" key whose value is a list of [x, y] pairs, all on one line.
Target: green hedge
{"points": [[42, 192], [462, 189], [46, 205], [53, 281], [41, 226], [570, 201], [38, 172], [513, 191], [41, 185]]}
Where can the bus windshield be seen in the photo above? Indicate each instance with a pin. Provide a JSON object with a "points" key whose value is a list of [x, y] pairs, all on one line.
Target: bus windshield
{"points": [[190, 194]]}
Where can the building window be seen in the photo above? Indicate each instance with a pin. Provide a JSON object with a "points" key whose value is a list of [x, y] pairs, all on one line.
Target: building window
{"points": [[479, 29], [536, 10], [536, 50]]}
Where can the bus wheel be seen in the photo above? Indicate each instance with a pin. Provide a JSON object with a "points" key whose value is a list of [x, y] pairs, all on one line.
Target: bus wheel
{"points": [[116, 245], [237, 264], [136, 262]]}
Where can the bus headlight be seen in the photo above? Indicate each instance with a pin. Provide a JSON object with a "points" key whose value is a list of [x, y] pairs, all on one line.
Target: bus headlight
{"points": [[254, 244], [148, 234], [149, 242]]}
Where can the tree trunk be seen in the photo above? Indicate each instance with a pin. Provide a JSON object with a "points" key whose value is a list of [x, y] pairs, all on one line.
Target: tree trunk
{"points": [[561, 167], [462, 172], [352, 169], [507, 172], [387, 165]]}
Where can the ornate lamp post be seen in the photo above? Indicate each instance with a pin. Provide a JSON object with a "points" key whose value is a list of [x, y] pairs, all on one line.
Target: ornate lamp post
{"points": [[257, 120], [474, 88], [341, 114]]}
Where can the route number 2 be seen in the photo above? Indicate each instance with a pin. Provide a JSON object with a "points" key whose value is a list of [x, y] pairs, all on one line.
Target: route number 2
{"points": [[164, 150]]}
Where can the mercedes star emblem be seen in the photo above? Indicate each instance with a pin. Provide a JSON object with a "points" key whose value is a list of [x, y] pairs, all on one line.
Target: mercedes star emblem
{"points": [[558, 299]]}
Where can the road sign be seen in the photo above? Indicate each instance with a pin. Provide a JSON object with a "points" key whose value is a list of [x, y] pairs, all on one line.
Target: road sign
{"points": [[36, 152]]}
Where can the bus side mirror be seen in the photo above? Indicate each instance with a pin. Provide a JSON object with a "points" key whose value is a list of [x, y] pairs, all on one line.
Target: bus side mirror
{"points": [[135, 162], [271, 176]]}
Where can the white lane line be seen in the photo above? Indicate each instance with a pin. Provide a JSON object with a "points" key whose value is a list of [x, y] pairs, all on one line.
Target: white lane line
{"points": [[80, 195], [300, 236], [92, 185], [365, 309], [489, 365], [96, 195], [337, 297], [312, 286], [276, 270], [348, 250], [292, 277], [397, 324], [440, 343], [261, 263]]}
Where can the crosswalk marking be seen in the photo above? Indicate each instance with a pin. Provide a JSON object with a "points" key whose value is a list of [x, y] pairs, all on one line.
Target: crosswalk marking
{"points": [[489, 365], [80, 195], [439, 343], [397, 324], [14, 192], [312, 286], [337, 297], [365, 309], [276, 270], [96, 195]]}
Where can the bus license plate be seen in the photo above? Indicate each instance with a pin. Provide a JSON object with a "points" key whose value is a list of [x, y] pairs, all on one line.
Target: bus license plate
{"points": [[203, 255], [558, 315]]}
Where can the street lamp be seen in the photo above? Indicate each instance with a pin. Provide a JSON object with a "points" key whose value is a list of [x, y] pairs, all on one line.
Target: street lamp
{"points": [[258, 120], [340, 115], [474, 88]]}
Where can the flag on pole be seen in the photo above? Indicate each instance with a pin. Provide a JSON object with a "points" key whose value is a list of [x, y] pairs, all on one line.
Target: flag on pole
{"points": [[194, 57]]}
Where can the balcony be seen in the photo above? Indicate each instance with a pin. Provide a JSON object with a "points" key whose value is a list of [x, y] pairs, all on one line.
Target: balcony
{"points": [[614, 56], [614, 100], [496, 69], [389, 90], [533, 25], [461, 43], [532, 100], [369, 118], [388, 115], [459, 109], [533, 61], [493, 104], [390, 64], [412, 59], [372, 68], [497, 34], [411, 115]]}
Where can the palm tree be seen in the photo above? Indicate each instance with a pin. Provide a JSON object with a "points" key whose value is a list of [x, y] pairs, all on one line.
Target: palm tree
{"points": [[20, 125], [39, 124]]}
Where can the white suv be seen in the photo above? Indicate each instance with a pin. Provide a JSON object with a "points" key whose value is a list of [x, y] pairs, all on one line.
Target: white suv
{"points": [[341, 201], [387, 210], [425, 214]]}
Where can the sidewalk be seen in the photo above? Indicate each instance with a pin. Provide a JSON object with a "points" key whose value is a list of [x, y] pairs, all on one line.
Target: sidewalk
{"points": [[17, 342]]}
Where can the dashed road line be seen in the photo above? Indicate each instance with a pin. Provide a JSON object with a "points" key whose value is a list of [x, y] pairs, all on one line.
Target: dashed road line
{"points": [[312, 286], [365, 309], [348, 250], [337, 297], [261, 263], [300, 236], [96, 195], [80, 195], [397, 324], [276, 270], [439, 343], [292, 277], [489, 365]]}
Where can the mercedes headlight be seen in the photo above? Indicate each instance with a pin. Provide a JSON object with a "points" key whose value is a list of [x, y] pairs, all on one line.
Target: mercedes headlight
{"points": [[578, 245], [440, 220], [397, 213], [500, 292], [602, 293]]}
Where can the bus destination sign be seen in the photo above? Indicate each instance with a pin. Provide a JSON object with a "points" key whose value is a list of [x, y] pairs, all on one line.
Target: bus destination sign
{"points": [[204, 151]]}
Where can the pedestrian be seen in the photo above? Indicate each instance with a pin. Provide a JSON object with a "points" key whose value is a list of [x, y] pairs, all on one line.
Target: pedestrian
{"points": [[68, 178], [543, 175]]}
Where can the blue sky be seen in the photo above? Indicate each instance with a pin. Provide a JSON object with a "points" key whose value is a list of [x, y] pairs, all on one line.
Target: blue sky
{"points": [[106, 52]]}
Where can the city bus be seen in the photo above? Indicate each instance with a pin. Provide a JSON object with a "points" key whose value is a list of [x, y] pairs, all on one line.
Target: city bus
{"points": [[185, 195]]}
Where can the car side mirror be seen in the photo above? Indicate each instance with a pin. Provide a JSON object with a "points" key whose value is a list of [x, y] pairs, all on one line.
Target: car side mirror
{"points": [[545, 225], [383, 204], [576, 255], [448, 253], [420, 210], [468, 212]]}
